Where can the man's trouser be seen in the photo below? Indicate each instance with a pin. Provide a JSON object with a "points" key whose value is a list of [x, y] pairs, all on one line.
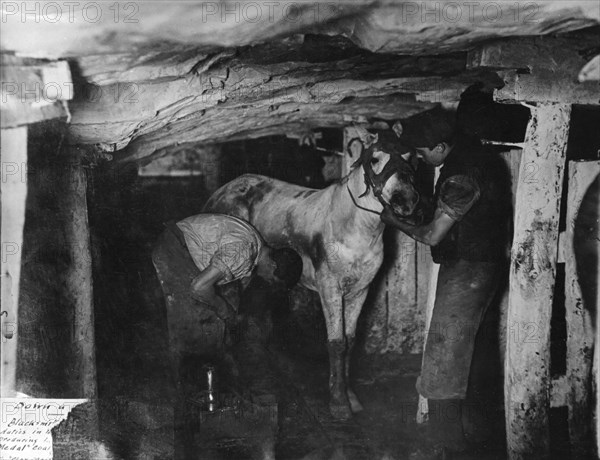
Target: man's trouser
{"points": [[196, 333], [193, 328], [464, 291]]}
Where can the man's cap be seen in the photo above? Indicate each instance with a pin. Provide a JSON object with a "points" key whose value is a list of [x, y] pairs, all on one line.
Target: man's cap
{"points": [[389, 142], [427, 129]]}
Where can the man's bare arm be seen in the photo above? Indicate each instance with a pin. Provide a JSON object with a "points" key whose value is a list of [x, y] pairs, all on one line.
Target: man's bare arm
{"points": [[203, 290], [430, 234]]}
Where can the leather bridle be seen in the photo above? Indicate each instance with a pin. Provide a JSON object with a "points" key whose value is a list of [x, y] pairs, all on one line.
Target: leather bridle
{"points": [[376, 182]]}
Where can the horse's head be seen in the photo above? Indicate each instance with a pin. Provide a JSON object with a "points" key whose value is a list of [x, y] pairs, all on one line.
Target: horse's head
{"points": [[389, 175]]}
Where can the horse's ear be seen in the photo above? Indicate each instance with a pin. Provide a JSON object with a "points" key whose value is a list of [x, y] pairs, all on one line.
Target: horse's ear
{"points": [[411, 159], [355, 143], [371, 139], [398, 129]]}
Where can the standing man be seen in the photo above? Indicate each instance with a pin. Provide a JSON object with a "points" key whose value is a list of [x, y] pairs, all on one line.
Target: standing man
{"points": [[468, 234], [202, 263]]}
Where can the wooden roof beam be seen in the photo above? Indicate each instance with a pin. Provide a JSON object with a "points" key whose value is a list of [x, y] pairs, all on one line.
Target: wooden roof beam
{"points": [[546, 89], [540, 69], [264, 98], [220, 125]]}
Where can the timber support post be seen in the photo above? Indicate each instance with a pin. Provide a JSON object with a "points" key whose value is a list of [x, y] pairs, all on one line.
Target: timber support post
{"points": [[24, 101], [14, 195], [78, 278], [579, 315], [532, 276]]}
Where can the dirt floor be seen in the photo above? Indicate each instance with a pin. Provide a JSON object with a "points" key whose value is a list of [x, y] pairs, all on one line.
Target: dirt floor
{"points": [[277, 392], [386, 429], [274, 406]]}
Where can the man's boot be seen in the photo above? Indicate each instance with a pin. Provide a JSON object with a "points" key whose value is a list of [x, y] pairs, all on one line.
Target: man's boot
{"points": [[445, 424], [478, 418]]}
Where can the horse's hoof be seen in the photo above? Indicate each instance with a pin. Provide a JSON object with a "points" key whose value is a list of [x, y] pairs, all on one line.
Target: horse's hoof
{"points": [[355, 404], [340, 411]]}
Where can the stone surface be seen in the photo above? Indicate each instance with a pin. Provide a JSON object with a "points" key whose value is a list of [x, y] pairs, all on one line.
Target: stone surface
{"points": [[152, 75], [381, 26]]}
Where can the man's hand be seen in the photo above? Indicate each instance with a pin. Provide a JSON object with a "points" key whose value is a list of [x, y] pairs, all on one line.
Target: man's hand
{"points": [[214, 303], [388, 217], [203, 290], [430, 234]]}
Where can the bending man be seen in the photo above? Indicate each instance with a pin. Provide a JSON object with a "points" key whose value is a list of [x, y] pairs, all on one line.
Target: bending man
{"points": [[203, 262]]}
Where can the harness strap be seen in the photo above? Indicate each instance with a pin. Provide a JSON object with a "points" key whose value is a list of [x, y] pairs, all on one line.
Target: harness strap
{"points": [[359, 206], [376, 182], [377, 189]]}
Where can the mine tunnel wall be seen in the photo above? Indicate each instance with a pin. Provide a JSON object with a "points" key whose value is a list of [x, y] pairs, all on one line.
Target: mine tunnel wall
{"points": [[126, 215]]}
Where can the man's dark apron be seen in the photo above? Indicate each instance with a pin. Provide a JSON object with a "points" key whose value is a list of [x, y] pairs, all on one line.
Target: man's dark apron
{"points": [[472, 265], [464, 291]]}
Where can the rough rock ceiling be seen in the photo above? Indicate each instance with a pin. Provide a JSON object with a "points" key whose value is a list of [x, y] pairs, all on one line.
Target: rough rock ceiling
{"points": [[399, 27], [150, 76], [294, 84]]}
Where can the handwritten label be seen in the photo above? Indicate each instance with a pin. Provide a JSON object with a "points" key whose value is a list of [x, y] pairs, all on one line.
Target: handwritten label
{"points": [[26, 423]]}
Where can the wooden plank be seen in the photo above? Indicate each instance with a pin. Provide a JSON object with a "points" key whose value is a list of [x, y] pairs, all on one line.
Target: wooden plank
{"points": [[535, 54], [423, 408], [580, 326], [546, 88], [423, 262], [13, 189], [33, 90], [540, 69], [15, 114], [533, 270], [78, 280], [402, 294], [35, 80]]}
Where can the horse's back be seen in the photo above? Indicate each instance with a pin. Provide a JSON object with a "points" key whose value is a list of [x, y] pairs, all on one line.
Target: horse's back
{"points": [[263, 201]]}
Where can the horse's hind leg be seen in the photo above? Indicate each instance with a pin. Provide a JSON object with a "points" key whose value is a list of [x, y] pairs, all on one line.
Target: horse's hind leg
{"points": [[331, 300], [352, 308]]}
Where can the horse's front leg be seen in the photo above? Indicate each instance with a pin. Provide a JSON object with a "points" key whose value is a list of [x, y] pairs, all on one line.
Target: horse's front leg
{"points": [[331, 300], [352, 307]]}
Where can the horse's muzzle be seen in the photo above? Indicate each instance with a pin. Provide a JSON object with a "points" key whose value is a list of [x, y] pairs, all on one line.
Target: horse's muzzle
{"points": [[403, 205]]}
